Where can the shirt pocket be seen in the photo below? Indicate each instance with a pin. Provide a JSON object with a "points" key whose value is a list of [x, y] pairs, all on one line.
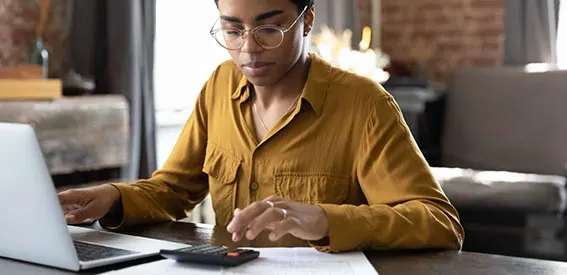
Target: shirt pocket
{"points": [[222, 169], [312, 188]]}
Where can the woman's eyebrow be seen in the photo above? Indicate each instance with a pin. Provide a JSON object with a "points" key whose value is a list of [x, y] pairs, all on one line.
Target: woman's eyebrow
{"points": [[260, 17]]}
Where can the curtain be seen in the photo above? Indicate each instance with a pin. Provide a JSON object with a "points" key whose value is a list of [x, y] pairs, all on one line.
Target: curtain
{"points": [[338, 15], [112, 42], [562, 35], [531, 31]]}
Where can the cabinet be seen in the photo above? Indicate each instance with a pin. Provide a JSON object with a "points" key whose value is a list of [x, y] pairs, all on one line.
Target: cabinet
{"points": [[83, 138]]}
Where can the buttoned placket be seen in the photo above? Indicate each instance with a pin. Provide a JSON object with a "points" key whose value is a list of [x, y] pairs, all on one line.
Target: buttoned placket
{"points": [[245, 112]]}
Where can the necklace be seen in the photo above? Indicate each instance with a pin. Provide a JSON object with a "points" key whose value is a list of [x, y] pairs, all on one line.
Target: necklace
{"points": [[262, 121]]}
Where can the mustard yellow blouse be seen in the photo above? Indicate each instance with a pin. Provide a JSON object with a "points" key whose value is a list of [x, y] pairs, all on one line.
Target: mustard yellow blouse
{"points": [[345, 147]]}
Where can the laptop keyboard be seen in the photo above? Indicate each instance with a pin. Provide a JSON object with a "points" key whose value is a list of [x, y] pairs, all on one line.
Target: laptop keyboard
{"points": [[91, 252]]}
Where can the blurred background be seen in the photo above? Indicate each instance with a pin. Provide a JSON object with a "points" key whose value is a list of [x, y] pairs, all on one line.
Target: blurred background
{"points": [[108, 86]]}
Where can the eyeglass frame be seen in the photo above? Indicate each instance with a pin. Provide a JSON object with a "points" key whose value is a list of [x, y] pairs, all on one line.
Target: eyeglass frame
{"points": [[213, 32]]}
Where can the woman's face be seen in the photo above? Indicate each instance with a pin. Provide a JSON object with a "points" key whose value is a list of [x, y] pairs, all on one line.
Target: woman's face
{"points": [[265, 67]]}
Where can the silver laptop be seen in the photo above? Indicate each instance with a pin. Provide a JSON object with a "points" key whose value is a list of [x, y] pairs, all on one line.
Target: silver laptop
{"points": [[32, 225]]}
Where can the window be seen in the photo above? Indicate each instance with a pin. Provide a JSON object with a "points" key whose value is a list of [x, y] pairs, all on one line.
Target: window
{"points": [[185, 57], [562, 35]]}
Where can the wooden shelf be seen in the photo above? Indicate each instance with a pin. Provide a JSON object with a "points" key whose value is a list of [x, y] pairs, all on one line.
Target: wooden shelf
{"points": [[21, 72], [30, 89]]}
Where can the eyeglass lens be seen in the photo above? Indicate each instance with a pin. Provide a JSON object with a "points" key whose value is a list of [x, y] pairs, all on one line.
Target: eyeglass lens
{"points": [[267, 37]]}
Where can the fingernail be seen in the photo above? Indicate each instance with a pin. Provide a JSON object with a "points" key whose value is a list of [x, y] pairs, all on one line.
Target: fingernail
{"points": [[229, 227], [71, 217], [272, 236], [234, 237], [249, 235]]}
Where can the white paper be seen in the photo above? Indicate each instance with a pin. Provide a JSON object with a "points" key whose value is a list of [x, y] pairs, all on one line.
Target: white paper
{"points": [[168, 267], [278, 261]]}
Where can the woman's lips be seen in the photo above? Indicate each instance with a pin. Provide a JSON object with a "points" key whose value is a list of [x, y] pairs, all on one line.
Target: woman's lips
{"points": [[257, 68]]}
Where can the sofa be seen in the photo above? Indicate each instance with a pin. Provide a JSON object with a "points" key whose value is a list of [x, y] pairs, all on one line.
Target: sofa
{"points": [[504, 150]]}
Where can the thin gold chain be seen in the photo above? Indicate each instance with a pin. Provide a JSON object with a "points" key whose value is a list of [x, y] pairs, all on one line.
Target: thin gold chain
{"points": [[262, 121]]}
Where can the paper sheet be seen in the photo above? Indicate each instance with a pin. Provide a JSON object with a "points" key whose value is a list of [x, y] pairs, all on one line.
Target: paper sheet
{"points": [[278, 261]]}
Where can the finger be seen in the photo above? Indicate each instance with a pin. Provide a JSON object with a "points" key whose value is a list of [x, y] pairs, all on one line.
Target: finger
{"points": [[282, 228], [237, 236], [69, 208], [71, 219], [69, 197], [241, 231], [273, 199], [80, 215], [243, 218], [271, 215]]}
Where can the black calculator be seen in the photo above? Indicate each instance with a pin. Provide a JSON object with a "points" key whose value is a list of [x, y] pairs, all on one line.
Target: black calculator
{"points": [[213, 255]]}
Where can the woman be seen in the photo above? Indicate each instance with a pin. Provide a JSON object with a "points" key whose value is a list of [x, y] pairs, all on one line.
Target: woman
{"points": [[285, 142]]}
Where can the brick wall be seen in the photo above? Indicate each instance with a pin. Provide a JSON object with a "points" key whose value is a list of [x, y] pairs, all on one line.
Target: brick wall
{"points": [[18, 19], [441, 35], [438, 34]]}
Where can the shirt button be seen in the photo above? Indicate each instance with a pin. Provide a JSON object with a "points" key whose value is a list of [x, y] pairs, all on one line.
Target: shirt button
{"points": [[254, 186]]}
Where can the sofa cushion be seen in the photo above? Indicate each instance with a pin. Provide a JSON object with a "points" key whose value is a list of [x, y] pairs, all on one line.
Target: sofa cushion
{"points": [[473, 189]]}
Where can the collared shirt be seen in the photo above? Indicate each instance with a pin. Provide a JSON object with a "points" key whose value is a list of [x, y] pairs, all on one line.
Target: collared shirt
{"points": [[345, 147]]}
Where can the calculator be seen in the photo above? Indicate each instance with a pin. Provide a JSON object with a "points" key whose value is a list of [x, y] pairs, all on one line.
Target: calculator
{"points": [[213, 255]]}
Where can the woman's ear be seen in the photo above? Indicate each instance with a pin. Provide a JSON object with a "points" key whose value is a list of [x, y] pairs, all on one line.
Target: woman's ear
{"points": [[309, 21]]}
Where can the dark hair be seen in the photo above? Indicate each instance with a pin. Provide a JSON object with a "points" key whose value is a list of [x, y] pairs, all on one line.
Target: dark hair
{"points": [[301, 4]]}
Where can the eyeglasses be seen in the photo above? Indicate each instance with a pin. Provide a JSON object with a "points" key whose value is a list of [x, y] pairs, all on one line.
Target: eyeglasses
{"points": [[267, 36]]}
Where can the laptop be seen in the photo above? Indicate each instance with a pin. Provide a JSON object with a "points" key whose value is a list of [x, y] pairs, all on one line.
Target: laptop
{"points": [[32, 225]]}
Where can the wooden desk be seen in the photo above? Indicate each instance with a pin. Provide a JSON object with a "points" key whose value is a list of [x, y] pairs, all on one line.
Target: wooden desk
{"points": [[402, 262]]}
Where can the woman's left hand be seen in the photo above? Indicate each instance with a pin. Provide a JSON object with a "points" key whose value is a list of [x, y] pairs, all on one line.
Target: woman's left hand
{"points": [[281, 216]]}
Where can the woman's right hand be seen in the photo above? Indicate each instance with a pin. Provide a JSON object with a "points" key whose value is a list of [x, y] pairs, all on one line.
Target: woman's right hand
{"points": [[80, 205]]}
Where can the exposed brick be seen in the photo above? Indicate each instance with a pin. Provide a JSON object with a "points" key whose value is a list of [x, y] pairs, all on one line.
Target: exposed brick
{"points": [[487, 17], [389, 9], [485, 4], [450, 47], [428, 7], [486, 32], [392, 35], [455, 33], [18, 19], [483, 61]]}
